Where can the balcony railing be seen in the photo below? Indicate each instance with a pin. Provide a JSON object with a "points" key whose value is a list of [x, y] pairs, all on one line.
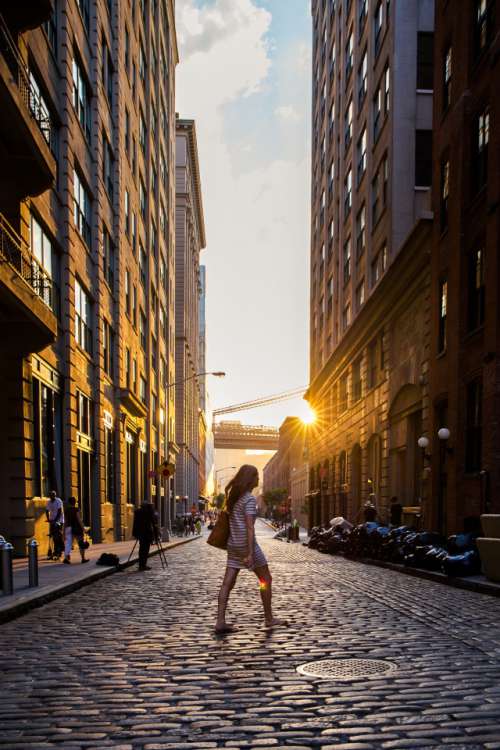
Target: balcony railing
{"points": [[29, 92], [16, 253]]}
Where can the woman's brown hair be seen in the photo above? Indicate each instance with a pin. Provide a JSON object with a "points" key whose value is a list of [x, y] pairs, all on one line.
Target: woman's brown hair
{"points": [[243, 481]]}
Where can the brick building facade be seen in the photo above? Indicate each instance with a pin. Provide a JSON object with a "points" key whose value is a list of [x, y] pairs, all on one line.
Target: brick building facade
{"points": [[465, 364], [88, 411]]}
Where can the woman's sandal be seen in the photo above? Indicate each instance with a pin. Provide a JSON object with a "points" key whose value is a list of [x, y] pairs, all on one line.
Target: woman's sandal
{"points": [[225, 629]]}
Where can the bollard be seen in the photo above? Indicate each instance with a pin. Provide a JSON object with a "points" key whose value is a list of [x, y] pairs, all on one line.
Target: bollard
{"points": [[33, 563], [6, 562]]}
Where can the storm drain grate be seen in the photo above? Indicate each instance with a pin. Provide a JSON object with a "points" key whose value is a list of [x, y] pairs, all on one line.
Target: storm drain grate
{"points": [[346, 669]]}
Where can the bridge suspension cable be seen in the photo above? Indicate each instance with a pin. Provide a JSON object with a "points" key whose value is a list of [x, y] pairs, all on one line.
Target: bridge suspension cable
{"points": [[265, 401]]}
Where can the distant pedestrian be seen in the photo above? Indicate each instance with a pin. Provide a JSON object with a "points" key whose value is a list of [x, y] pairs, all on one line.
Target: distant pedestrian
{"points": [[198, 525], [54, 513], [73, 529], [145, 530], [369, 511], [396, 511], [191, 524], [186, 526], [242, 548]]}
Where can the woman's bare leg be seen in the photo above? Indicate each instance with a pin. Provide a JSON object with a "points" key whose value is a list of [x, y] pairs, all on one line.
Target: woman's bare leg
{"points": [[228, 582]]}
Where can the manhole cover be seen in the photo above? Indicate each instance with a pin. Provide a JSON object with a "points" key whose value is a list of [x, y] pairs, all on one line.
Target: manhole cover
{"points": [[346, 669]]}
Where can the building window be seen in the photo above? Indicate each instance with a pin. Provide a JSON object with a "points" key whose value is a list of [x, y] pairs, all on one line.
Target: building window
{"points": [[130, 440], [378, 21], [348, 192], [142, 265], [379, 264], [107, 166], [127, 132], [142, 133], [41, 112], [343, 394], [443, 311], [126, 199], [84, 414], [360, 295], [447, 71], [142, 198], [134, 306], [108, 338], [84, 7], [425, 60], [142, 389], [481, 141], [44, 266], [347, 260], [48, 455], [373, 362], [127, 367], [380, 189], [387, 90], [483, 24], [108, 257], [476, 290], [377, 113], [356, 380], [50, 27], [133, 239], [362, 13], [153, 119], [142, 330], [127, 292], [362, 149], [361, 232], [142, 63], [83, 318], [154, 354], [127, 51], [109, 466], [362, 79], [107, 72], [349, 56], [444, 194], [81, 98], [348, 124], [81, 208], [423, 158], [154, 410], [473, 426], [329, 292], [163, 222]]}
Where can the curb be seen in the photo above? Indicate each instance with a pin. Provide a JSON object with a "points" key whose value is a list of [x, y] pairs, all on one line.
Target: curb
{"points": [[22, 607]]}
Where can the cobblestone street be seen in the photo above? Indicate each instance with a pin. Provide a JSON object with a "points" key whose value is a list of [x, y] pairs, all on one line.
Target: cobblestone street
{"points": [[132, 661]]}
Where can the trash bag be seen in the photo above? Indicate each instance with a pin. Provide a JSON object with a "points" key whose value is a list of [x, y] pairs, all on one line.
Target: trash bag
{"points": [[108, 559], [466, 564]]}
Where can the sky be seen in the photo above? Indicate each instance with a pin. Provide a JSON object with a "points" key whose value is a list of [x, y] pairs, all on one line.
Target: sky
{"points": [[244, 77]]}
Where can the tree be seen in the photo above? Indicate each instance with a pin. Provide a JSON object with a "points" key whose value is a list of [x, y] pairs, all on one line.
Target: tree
{"points": [[276, 500]]}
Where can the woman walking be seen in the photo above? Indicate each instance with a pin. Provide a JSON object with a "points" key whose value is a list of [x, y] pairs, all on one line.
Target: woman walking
{"points": [[73, 529], [242, 548]]}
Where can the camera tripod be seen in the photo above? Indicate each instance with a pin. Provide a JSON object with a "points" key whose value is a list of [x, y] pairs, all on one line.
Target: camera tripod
{"points": [[161, 551]]}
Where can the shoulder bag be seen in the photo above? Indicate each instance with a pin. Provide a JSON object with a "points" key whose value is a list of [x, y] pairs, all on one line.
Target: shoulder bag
{"points": [[220, 533]]}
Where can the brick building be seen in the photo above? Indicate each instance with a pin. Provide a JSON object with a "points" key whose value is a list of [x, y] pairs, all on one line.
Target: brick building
{"points": [[371, 399], [371, 152], [371, 176], [465, 364], [189, 241], [87, 203], [280, 472]]}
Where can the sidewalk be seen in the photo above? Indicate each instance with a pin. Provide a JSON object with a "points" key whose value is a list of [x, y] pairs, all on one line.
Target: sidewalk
{"points": [[57, 579]]}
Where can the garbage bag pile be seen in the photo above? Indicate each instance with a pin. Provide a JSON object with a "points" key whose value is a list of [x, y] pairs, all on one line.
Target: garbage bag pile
{"points": [[455, 556]]}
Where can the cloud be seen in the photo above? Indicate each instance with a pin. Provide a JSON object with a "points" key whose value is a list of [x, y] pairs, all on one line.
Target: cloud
{"points": [[287, 112], [257, 219]]}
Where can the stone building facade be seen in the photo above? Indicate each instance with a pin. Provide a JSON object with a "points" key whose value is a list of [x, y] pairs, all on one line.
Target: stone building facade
{"points": [[465, 362], [189, 241], [372, 399], [89, 410], [281, 472], [371, 152]]}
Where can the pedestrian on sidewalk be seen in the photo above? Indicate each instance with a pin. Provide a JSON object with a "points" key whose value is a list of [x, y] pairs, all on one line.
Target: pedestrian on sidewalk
{"points": [[145, 530], [198, 525], [54, 513], [73, 529], [242, 548]]}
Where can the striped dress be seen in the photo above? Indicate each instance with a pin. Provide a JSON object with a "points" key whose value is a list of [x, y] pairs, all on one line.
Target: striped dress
{"points": [[237, 545]]}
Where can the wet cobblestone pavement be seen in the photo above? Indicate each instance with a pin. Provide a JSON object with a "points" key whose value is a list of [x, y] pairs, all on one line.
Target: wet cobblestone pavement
{"points": [[132, 662]]}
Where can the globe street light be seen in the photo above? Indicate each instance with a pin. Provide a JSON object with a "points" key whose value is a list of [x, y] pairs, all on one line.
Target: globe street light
{"points": [[216, 374]]}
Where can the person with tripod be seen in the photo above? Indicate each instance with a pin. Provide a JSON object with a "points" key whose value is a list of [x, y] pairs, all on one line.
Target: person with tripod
{"points": [[145, 530]]}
